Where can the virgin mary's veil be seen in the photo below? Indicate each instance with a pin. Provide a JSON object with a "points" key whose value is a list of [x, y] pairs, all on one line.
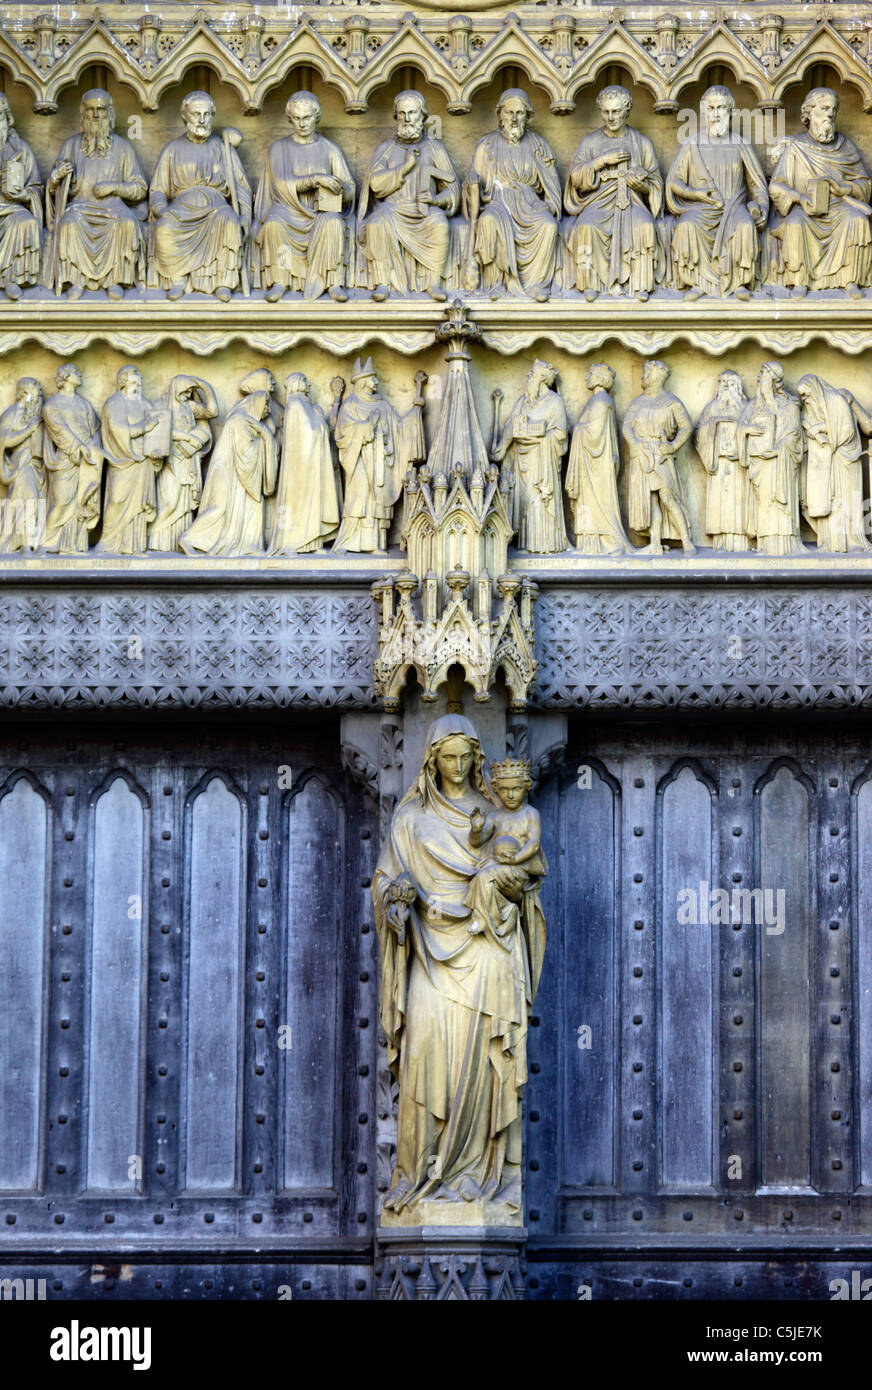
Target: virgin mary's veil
{"points": [[425, 789]]}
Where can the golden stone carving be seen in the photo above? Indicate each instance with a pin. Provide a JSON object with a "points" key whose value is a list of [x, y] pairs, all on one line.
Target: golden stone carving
{"points": [[129, 502], [462, 937], [832, 482], [200, 208], [592, 472], [179, 437], [376, 447], [655, 427], [299, 237], [614, 189], [307, 495], [22, 468], [728, 502], [95, 206], [512, 199], [533, 443], [242, 473], [74, 461], [408, 194], [717, 191], [771, 444], [821, 189], [20, 208]]}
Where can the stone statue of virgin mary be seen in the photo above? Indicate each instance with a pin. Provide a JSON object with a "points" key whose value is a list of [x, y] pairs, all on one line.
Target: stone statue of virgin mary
{"points": [[457, 983]]}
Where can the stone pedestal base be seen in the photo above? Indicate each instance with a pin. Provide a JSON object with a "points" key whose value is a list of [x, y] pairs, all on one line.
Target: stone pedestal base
{"points": [[476, 1264]]}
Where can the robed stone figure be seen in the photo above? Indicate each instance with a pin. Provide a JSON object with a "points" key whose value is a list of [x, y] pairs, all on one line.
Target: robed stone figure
{"points": [[614, 190], [717, 190], [455, 998], [22, 469], [771, 447], [656, 425], [375, 447], [74, 464], [129, 502], [592, 471], [727, 488], [242, 472], [200, 205], [408, 193], [832, 479], [20, 208], [179, 436], [95, 207], [512, 197], [533, 443], [821, 189], [298, 236], [307, 501]]}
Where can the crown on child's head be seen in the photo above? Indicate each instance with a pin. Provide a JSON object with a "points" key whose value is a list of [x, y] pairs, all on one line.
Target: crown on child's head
{"points": [[511, 768]]}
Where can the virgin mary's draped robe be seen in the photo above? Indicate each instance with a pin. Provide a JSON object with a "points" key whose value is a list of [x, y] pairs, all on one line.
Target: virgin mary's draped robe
{"points": [[129, 504], [591, 480], [715, 249], [516, 236], [832, 249], [613, 241], [297, 244], [307, 504], [20, 217], [242, 471], [454, 1005], [197, 235]]}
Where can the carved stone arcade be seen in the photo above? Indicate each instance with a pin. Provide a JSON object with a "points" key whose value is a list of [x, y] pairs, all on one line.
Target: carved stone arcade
{"points": [[292, 502]]}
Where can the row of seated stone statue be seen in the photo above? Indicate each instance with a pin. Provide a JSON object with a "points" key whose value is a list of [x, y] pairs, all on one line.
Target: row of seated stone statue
{"points": [[136, 469], [716, 226]]}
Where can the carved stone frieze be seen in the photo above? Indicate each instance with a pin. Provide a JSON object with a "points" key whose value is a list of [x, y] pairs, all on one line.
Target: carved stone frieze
{"points": [[119, 646]]}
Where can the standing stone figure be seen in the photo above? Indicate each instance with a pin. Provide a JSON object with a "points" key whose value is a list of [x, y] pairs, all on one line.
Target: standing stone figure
{"points": [[307, 503], [616, 189], [656, 426], [22, 469], [20, 209], [180, 436], [592, 473], [95, 207], [200, 207], [457, 986], [821, 188], [771, 446], [716, 439], [832, 482], [376, 447], [408, 193], [533, 442], [717, 190], [74, 461], [298, 234], [512, 198], [129, 503], [242, 472]]}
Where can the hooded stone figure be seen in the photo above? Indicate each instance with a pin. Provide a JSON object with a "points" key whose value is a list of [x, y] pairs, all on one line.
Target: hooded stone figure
{"points": [[242, 472], [454, 999], [832, 478], [307, 505]]}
